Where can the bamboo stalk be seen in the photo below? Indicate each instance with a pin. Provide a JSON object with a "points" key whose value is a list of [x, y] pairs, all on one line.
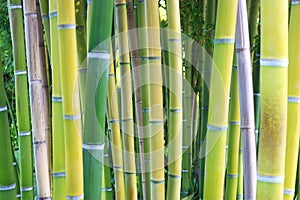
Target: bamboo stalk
{"points": [[22, 96], [293, 125], [95, 105], [116, 141], [272, 140], [38, 97], [156, 118], [219, 93], [107, 192], [44, 10], [135, 62], [126, 91], [246, 99], [58, 144], [240, 188], [233, 137], [175, 99], [7, 175], [70, 95]]}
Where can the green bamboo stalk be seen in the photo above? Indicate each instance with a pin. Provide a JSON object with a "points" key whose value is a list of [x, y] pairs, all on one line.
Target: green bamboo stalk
{"points": [[107, 192], [95, 106], [141, 15], [38, 96], [293, 125], [175, 135], [127, 105], [22, 96], [7, 174], [44, 9], [88, 21], [233, 137], [274, 61], [252, 18], [58, 142], [240, 187], [156, 116], [70, 95], [219, 93]]}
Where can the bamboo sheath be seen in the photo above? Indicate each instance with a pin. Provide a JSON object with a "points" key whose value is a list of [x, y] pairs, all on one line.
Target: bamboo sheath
{"points": [[141, 15], [38, 97], [126, 98], [175, 109], [156, 117], [58, 139], [116, 140], [135, 62], [7, 174], [22, 96], [70, 96], [273, 87], [95, 105], [219, 93], [293, 125], [233, 137]]}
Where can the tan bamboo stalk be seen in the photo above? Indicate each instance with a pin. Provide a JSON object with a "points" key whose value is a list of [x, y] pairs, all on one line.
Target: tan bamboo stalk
{"points": [[71, 100], [176, 107], [293, 124], [127, 105], [135, 62], [156, 117], [38, 97], [274, 74], [246, 101]]}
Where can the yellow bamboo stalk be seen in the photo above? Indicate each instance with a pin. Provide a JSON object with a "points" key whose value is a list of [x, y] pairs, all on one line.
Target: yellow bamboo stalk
{"points": [[156, 118], [273, 87], [293, 124], [70, 94]]}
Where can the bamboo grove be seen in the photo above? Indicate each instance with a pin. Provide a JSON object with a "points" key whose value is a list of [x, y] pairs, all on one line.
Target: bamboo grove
{"points": [[152, 99]]}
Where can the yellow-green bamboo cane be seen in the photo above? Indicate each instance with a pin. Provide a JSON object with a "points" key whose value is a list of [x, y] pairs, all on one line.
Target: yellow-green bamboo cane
{"points": [[175, 110], [70, 95], [88, 20], [22, 98], [107, 191], [58, 139], [44, 9], [116, 141], [273, 88], [156, 117], [38, 97], [127, 105], [240, 187], [233, 138], [219, 97], [293, 125]]}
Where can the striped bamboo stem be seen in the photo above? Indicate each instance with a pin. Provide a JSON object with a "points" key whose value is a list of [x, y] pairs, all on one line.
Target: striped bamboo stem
{"points": [[219, 93], [38, 96], [22, 96], [70, 95], [274, 73], [127, 105], [175, 111], [233, 137], [116, 140], [293, 125], [7, 174], [156, 116], [58, 139], [95, 105]]}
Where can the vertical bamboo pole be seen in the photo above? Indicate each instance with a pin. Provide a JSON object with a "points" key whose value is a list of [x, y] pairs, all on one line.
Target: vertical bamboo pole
{"points": [[70, 95], [38, 97], [58, 142], [22, 98], [127, 109], [272, 140], [156, 118], [44, 9], [246, 99], [7, 175], [240, 187], [219, 93], [293, 124], [175, 90], [95, 105]]}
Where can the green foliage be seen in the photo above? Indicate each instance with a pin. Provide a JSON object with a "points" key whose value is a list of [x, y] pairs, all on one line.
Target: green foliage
{"points": [[8, 68]]}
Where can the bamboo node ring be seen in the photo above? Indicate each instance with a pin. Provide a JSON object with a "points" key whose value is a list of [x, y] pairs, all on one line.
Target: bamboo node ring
{"points": [[288, 192], [14, 6], [269, 62], [20, 72], [93, 146], [79, 197], [217, 128], [3, 108], [270, 179], [224, 40], [8, 187]]}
